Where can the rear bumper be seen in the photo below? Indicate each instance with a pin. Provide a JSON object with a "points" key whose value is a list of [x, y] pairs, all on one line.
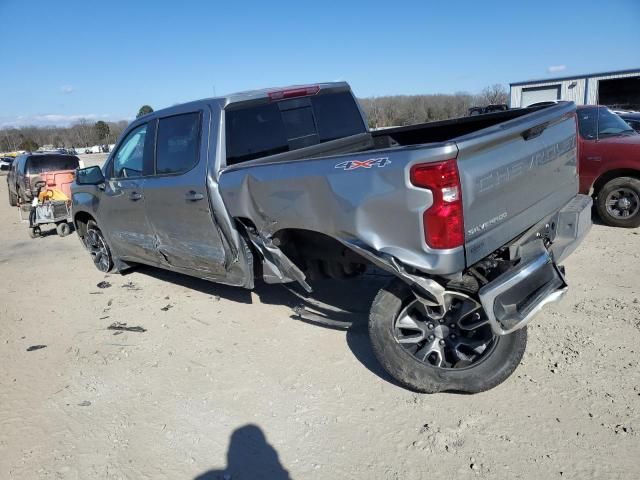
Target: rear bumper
{"points": [[515, 297]]}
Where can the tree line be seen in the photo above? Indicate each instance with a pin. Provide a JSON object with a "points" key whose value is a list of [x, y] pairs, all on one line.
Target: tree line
{"points": [[399, 110], [387, 111], [82, 133]]}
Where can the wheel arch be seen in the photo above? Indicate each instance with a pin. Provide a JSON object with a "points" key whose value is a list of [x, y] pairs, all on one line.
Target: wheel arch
{"points": [[609, 175], [80, 221]]}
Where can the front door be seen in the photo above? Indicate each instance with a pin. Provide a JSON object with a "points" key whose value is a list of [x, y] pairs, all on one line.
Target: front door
{"points": [[122, 214], [176, 199]]}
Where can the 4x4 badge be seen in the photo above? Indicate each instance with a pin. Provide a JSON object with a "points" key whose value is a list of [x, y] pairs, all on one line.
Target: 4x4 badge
{"points": [[372, 162]]}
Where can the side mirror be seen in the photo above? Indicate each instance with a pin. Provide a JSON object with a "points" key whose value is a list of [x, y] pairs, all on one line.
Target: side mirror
{"points": [[89, 176]]}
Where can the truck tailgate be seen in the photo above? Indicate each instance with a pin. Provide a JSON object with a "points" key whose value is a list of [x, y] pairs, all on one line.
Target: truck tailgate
{"points": [[514, 174]]}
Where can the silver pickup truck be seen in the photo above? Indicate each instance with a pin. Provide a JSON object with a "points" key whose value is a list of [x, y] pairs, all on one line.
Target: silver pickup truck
{"points": [[472, 216]]}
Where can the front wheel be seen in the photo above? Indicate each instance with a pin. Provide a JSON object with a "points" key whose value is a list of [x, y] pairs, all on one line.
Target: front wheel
{"points": [[429, 352], [618, 202], [97, 246]]}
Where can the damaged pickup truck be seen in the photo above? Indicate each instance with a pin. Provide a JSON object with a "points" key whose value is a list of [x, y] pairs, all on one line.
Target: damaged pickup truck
{"points": [[472, 216]]}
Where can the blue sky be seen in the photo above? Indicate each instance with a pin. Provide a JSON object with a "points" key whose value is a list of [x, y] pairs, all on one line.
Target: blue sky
{"points": [[62, 60]]}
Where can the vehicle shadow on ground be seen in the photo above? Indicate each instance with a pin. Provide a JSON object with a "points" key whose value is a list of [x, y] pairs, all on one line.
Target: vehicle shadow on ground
{"points": [[249, 456], [334, 304]]}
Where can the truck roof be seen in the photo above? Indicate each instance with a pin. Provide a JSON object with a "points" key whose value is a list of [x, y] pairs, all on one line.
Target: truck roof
{"points": [[250, 95], [262, 94]]}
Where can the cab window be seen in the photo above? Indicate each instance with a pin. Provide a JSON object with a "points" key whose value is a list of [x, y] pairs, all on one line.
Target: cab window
{"points": [[129, 159], [177, 143]]}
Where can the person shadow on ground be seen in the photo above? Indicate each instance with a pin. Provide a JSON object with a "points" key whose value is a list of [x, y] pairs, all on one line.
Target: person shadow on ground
{"points": [[249, 457]]}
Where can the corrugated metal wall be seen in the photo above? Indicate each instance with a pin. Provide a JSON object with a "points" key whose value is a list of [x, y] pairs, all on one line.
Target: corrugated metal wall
{"points": [[592, 93], [568, 91]]}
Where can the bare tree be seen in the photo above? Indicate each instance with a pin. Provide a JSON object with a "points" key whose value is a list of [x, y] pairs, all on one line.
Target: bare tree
{"points": [[494, 94]]}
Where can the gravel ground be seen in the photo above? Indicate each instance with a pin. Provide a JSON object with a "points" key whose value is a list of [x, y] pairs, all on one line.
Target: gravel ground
{"points": [[226, 383]]}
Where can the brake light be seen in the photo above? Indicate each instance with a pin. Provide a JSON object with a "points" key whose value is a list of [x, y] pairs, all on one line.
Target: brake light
{"points": [[294, 92], [443, 221]]}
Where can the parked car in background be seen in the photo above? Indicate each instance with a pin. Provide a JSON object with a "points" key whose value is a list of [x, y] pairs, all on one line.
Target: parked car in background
{"points": [[471, 216], [27, 170], [5, 163], [632, 118], [609, 165], [500, 107], [94, 149]]}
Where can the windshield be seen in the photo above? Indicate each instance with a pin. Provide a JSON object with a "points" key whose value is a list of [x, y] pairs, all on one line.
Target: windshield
{"points": [[51, 163], [599, 122]]}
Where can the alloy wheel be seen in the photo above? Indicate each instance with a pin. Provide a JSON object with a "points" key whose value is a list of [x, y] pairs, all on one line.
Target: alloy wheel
{"points": [[459, 338], [622, 203], [98, 250]]}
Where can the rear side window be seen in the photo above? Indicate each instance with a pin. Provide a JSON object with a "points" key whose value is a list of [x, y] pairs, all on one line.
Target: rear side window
{"points": [[177, 143], [51, 163], [267, 129]]}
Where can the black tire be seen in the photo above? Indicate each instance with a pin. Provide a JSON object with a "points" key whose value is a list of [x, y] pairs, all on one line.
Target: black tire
{"points": [[494, 368], [13, 198], [63, 229], [612, 215], [96, 244]]}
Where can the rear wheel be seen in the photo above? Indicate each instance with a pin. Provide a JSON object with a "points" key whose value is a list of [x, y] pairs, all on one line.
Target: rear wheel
{"points": [[429, 352], [97, 246], [13, 198], [618, 202]]}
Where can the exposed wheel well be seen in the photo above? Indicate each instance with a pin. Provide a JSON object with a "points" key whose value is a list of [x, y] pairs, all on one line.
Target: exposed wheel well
{"points": [[316, 254], [610, 175], [80, 221], [319, 255]]}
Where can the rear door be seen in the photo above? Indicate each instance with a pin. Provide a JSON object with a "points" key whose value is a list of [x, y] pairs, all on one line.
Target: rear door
{"points": [[176, 200], [121, 213], [514, 174]]}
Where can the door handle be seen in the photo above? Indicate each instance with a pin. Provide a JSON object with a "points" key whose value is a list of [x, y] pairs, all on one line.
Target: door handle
{"points": [[193, 196], [135, 196]]}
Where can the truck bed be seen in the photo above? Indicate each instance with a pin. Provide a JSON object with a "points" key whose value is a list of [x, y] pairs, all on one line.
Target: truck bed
{"points": [[515, 168]]}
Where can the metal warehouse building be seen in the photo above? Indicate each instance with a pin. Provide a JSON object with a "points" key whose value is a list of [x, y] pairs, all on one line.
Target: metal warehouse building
{"points": [[619, 90]]}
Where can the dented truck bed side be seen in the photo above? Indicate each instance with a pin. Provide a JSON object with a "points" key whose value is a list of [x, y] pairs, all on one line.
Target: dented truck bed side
{"points": [[513, 175]]}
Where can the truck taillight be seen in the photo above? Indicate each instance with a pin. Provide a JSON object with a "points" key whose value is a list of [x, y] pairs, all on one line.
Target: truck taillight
{"points": [[443, 221]]}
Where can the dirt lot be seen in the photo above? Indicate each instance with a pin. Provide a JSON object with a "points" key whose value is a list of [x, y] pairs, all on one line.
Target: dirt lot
{"points": [[226, 383]]}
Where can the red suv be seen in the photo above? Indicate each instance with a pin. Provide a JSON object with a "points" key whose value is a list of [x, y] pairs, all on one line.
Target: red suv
{"points": [[609, 165]]}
